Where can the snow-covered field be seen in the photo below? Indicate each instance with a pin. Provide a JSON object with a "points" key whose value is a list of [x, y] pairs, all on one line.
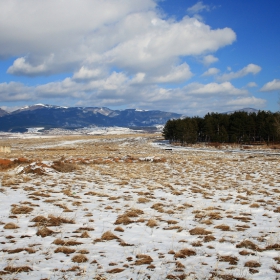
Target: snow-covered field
{"points": [[125, 207]]}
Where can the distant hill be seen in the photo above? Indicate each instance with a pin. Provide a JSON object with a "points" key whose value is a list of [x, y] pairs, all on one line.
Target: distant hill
{"points": [[49, 116]]}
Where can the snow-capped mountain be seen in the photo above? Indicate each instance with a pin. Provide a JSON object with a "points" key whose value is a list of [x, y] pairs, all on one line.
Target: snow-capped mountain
{"points": [[3, 112], [49, 116]]}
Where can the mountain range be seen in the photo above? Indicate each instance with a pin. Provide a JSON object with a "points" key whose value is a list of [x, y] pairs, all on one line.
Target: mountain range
{"points": [[49, 116]]}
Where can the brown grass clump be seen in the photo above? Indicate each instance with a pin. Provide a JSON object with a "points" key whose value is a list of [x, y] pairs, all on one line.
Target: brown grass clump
{"points": [[61, 242], [184, 253], [158, 207], [80, 258], [120, 229], [209, 238], [275, 246], [44, 231], [18, 250], [123, 219], [10, 226], [63, 167], [254, 205], [275, 268], [196, 244], [143, 200], [133, 213], [40, 220], [57, 220], [249, 245], [115, 270], [64, 250], [17, 269], [85, 235], [143, 259], [223, 227], [108, 235], [199, 231], [21, 210], [252, 264], [230, 259], [151, 223]]}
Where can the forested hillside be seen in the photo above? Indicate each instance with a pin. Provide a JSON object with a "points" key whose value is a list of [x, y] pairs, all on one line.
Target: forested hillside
{"points": [[239, 127]]}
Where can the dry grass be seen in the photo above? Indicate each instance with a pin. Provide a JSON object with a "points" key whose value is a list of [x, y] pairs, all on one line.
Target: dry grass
{"points": [[11, 226], [103, 186], [115, 270], [108, 235], [64, 250], [184, 253], [252, 264], [44, 232], [199, 231], [143, 259], [223, 227], [152, 223], [62, 242], [249, 245], [79, 258], [230, 259], [17, 269], [21, 209], [120, 229]]}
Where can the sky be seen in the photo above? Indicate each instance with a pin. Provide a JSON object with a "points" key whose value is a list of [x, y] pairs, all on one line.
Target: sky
{"points": [[183, 56]]}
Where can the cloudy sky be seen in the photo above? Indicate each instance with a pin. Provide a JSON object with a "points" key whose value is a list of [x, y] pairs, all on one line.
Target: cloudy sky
{"points": [[183, 56]]}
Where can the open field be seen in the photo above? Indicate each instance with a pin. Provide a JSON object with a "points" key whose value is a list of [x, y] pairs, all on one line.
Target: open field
{"points": [[123, 207]]}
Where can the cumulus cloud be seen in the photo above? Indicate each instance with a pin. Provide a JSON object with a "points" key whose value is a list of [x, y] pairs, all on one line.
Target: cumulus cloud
{"points": [[271, 86], [198, 7], [10, 92], [209, 59], [211, 72], [53, 37], [85, 73], [249, 69], [177, 74]]}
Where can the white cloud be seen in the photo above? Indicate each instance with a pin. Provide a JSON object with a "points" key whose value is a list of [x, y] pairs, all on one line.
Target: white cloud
{"points": [[177, 74], [251, 85], [163, 44], [11, 92], [198, 7], [209, 59], [246, 102], [52, 37], [120, 90], [249, 69], [85, 73], [271, 86], [225, 88], [211, 72]]}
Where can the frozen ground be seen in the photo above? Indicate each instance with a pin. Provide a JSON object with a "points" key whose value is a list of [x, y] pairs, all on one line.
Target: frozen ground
{"points": [[124, 207]]}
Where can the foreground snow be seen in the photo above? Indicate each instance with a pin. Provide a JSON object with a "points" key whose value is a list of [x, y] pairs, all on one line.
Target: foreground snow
{"points": [[119, 208]]}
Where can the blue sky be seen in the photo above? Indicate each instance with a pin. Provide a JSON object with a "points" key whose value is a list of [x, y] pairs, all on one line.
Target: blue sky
{"points": [[183, 56]]}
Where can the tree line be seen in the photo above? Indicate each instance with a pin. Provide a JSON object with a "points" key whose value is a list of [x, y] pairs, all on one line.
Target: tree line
{"points": [[238, 127]]}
